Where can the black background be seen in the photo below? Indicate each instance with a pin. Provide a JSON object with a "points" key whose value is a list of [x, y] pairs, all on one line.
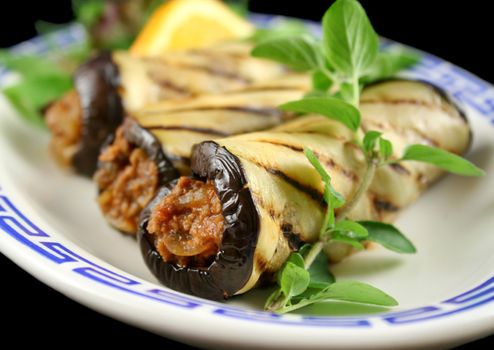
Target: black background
{"points": [[460, 33]]}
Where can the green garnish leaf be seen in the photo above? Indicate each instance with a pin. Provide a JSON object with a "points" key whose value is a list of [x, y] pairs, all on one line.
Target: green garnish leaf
{"points": [[348, 291], [300, 53], [356, 292], [304, 250], [320, 81], [388, 236], [389, 63], [293, 279], [345, 93], [320, 276], [41, 82], [283, 29], [352, 228], [330, 107], [370, 139], [88, 12], [317, 165], [297, 259], [350, 42], [31, 95], [385, 148], [28, 65], [240, 7], [330, 195], [441, 159], [343, 237]]}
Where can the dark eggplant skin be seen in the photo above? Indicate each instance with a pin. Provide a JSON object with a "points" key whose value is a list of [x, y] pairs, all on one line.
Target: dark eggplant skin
{"points": [[146, 141], [232, 266], [97, 82]]}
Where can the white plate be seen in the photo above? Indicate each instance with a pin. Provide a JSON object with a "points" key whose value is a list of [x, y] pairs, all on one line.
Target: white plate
{"points": [[50, 226]]}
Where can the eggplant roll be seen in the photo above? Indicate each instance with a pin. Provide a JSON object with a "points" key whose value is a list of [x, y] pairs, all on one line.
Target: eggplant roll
{"points": [[254, 198], [111, 84], [154, 146]]}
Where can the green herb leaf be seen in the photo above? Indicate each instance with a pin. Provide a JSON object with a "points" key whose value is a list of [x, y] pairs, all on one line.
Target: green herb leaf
{"points": [[356, 292], [283, 29], [388, 63], [350, 42], [320, 81], [294, 279], [43, 27], [42, 81], [330, 195], [370, 139], [442, 159], [296, 258], [343, 237], [385, 148], [330, 107], [300, 53], [354, 229], [349, 291], [31, 95], [320, 276], [304, 250], [317, 165], [388, 236], [240, 7], [345, 93], [88, 12], [28, 65]]}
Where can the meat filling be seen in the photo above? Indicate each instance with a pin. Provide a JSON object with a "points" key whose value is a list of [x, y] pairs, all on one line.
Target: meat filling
{"points": [[188, 224], [64, 120], [127, 180]]}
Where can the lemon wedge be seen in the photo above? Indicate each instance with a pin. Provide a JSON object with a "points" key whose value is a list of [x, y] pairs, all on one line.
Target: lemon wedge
{"points": [[187, 24]]}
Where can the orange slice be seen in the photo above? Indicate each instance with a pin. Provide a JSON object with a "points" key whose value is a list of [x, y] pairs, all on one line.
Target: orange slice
{"points": [[187, 24]]}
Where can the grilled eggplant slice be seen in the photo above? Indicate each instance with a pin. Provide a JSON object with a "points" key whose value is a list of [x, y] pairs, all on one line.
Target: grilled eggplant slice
{"points": [[129, 173], [272, 198], [111, 84]]}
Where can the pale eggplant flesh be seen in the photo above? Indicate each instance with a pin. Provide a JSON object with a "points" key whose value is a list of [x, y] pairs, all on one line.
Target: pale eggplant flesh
{"points": [[111, 85], [272, 198]]}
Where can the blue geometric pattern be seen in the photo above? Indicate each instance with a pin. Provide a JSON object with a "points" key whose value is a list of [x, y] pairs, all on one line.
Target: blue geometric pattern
{"points": [[466, 87]]}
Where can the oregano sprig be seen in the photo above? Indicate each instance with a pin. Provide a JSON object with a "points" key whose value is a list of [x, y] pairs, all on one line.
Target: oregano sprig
{"points": [[347, 56]]}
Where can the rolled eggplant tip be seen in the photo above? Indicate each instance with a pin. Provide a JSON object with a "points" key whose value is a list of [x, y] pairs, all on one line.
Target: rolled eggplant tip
{"points": [[187, 226], [209, 221], [64, 119], [130, 170]]}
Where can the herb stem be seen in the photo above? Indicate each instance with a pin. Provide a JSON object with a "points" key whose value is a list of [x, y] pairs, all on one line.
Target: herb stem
{"points": [[372, 164], [312, 254], [294, 307], [278, 304]]}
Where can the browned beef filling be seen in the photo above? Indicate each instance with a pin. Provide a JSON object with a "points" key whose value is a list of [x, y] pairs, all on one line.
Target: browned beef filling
{"points": [[127, 180], [188, 224], [64, 119]]}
